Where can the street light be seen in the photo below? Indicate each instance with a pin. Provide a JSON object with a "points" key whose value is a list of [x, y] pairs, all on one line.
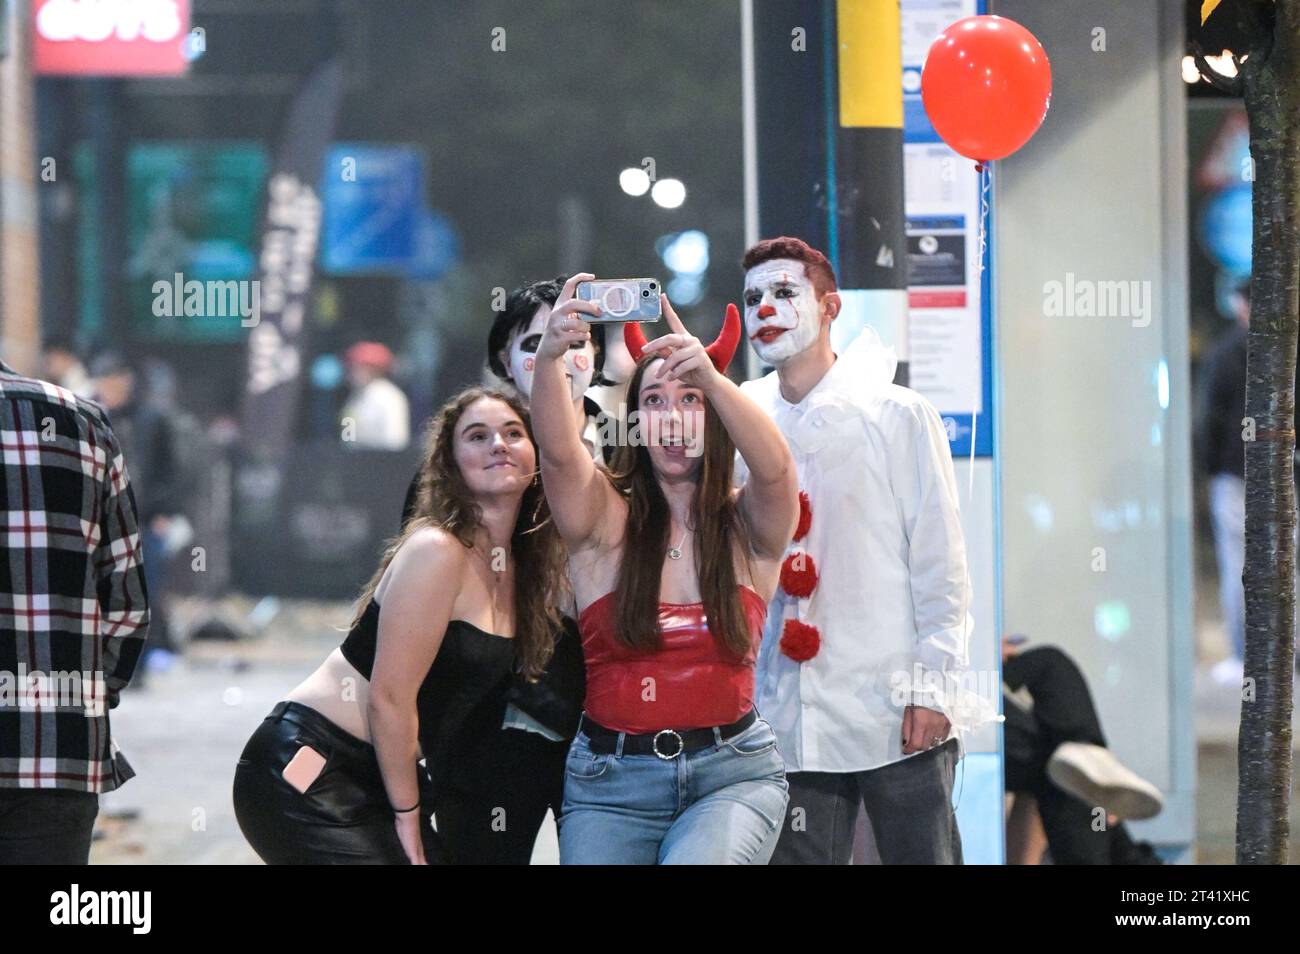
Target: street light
{"points": [[634, 181], [668, 193]]}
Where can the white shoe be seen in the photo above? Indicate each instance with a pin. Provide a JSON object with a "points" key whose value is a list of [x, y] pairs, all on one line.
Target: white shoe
{"points": [[1092, 774]]}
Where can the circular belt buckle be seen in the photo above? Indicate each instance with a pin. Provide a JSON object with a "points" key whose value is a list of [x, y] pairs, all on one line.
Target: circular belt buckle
{"points": [[681, 744]]}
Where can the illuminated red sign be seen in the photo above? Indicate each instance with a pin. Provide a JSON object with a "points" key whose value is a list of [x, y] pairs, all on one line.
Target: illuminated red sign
{"points": [[110, 37]]}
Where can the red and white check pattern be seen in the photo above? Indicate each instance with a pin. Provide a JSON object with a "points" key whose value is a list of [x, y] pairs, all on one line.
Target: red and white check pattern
{"points": [[73, 604]]}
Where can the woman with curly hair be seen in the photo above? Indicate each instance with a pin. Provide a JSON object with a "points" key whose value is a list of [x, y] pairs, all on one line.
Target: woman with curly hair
{"points": [[463, 597]]}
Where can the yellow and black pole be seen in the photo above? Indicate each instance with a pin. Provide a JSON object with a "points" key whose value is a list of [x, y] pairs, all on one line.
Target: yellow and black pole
{"points": [[823, 102]]}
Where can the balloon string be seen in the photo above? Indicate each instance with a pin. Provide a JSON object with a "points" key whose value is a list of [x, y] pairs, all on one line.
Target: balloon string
{"points": [[983, 169]]}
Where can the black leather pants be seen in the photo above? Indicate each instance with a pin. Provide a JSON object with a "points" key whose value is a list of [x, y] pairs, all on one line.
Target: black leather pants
{"points": [[342, 818]]}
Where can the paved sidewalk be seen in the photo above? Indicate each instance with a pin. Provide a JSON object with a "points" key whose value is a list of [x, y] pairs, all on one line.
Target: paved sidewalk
{"points": [[1218, 714], [183, 733]]}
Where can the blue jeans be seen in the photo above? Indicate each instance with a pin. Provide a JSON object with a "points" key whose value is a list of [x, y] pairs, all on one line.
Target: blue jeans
{"points": [[723, 804], [1228, 517]]}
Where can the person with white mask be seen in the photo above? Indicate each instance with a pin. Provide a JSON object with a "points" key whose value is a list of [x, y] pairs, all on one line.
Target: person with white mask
{"points": [[867, 635], [512, 354]]}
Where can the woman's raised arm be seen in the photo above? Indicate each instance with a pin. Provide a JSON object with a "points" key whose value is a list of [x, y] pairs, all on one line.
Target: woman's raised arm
{"points": [[576, 492]]}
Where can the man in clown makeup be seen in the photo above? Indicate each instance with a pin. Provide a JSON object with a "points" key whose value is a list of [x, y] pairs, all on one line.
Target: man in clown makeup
{"points": [[869, 625]]}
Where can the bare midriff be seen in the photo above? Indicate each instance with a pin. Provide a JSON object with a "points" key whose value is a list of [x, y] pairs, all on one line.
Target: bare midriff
{"points": [[338, 692]]}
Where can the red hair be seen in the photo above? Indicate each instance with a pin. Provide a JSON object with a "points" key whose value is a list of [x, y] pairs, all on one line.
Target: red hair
{"points": [[818, 266]]}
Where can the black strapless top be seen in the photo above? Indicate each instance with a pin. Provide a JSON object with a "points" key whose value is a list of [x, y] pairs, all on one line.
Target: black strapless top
{"points": [[461, 702], [555, 698]]}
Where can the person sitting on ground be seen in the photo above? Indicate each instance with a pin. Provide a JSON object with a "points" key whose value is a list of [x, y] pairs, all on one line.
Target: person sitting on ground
{"points": [[1057, 761]]}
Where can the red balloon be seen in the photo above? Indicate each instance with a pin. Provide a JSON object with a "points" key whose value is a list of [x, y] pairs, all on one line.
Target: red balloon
{"points": [[986, 86]]}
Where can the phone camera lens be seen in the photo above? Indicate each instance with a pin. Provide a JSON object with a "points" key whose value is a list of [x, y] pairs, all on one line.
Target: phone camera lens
{"points": [[618, 300]]}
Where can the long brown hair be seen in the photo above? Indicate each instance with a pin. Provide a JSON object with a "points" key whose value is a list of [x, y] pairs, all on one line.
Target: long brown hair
{"points": [[444, 500], [719, 530]]}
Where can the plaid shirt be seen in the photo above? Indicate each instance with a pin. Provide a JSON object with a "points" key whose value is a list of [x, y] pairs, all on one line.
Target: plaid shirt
{"points": [[73, 606]]}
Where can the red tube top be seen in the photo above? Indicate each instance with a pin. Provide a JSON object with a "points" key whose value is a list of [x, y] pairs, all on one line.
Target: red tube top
{"points": [[697, 683]]}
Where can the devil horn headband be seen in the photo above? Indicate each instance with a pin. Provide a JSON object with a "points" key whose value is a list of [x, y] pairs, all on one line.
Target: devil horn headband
{"points": [[720, 352]]}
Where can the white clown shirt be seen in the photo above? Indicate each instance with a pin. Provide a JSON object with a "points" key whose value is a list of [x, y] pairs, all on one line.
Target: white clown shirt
{"points": [[892, 597]]}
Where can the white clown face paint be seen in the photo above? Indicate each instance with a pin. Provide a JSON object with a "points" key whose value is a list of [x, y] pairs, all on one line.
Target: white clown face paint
{"points": [[579, 360], [782, 317]]}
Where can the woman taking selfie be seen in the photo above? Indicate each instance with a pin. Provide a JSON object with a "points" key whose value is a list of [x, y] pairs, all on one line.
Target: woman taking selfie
{"points": [[464, 593], [672, 570]]}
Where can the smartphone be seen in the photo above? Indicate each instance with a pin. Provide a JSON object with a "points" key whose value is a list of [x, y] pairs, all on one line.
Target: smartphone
{"points": [[622, 299]]}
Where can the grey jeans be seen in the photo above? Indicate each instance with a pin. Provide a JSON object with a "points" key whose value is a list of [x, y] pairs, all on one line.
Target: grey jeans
{"points": [[909, 805]]}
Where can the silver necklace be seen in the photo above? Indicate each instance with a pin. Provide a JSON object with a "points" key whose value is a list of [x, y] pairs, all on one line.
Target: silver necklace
{"points": [[675, 553], [496, 574], [494, 591]]}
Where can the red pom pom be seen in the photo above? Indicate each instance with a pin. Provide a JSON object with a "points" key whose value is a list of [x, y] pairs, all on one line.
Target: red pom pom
{"points": [[805, 517], [800, 641], [798, 574]]}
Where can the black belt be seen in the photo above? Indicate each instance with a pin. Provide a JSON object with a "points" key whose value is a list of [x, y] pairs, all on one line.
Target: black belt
{"points": [[666, 743]]}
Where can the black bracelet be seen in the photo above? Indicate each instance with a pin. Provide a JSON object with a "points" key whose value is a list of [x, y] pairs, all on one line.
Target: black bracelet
{"points": [[403, 811]]}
